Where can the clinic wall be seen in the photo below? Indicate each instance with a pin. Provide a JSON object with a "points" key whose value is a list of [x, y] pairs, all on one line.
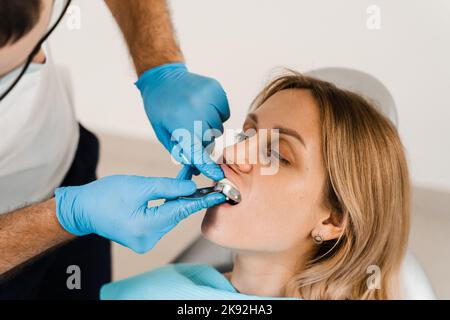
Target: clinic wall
{"points": [[240, 42]]}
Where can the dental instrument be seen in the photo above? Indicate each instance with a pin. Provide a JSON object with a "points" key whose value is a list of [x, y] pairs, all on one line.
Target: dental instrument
{"points": [[224, 186]]}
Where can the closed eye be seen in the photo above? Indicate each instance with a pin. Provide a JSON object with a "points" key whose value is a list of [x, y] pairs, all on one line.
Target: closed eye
{"points": [[270, 149], [274, 153]]}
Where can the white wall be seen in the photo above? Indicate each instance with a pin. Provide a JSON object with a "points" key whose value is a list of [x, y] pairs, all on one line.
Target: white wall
{"points": [[240, 41]]}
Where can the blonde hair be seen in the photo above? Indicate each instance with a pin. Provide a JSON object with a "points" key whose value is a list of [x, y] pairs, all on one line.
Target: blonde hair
{"points": [[368, 187]]}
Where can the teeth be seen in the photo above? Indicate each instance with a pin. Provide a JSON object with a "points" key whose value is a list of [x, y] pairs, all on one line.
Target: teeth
{"points": [[226, 181]]}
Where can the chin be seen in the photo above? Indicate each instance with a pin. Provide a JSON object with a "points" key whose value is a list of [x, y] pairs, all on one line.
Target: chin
{"points": [[210, 222], [216, 224]]}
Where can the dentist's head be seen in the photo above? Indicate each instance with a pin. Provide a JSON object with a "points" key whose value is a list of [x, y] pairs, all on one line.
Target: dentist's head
{"points": [[23, 24]]}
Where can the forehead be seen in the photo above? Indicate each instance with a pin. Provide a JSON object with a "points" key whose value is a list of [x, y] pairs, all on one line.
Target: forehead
{"points": [[292, 108]]}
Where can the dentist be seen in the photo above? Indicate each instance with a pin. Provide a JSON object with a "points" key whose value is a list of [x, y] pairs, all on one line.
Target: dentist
{"points": [[45, 229]]}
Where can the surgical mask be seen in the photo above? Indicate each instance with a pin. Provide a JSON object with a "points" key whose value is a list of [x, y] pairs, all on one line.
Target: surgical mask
{"points": [[26, 82], [22, 96]]}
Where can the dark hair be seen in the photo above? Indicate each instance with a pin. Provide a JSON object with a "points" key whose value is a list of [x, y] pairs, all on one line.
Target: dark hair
{"points": [[17, 18]]}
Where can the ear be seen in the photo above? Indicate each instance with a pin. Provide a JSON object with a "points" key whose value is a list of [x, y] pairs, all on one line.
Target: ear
{"points": [[330, 227]]}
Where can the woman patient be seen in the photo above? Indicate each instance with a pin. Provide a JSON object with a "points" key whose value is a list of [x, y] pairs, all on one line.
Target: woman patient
{"points": [[336, 210]]}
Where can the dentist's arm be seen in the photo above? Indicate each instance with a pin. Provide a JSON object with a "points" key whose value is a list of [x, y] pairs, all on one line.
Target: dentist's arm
{"points": [[148, 31], [174, 98], [28, 232], [114, 207]]}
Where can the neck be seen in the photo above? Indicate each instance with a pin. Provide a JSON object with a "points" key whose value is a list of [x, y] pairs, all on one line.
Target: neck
{"points": [[265, 274]]}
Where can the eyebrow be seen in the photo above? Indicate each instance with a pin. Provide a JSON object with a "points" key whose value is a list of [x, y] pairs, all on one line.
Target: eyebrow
{"points": [[282, 130]]}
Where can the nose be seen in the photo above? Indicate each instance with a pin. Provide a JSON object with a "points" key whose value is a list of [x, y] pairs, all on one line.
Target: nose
{"points": [[242, 156]]}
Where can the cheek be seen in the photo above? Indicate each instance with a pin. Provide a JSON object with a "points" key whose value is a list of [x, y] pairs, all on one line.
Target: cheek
{"points": [[273, 217], [287, 218]]}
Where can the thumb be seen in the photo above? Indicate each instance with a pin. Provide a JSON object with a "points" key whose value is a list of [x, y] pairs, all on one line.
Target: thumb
{"points": [[180, 209]]}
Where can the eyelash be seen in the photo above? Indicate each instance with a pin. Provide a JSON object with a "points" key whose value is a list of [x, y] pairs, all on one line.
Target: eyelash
{"points": [[241, 136], [280, 158]]}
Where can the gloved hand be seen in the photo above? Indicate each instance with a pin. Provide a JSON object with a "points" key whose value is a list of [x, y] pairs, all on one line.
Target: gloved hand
{"points": [[174, 98], [115, 207]]}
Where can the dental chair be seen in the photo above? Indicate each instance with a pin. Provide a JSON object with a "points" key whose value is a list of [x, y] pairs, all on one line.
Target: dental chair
{"points": [[415, 284]]}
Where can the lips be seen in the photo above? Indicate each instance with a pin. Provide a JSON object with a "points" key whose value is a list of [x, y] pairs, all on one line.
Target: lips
{"points": [[230, 174], [233, 177]]}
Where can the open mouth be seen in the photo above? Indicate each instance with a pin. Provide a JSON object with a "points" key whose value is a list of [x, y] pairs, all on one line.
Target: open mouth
{"points": [[228, 187], [231, 192]]}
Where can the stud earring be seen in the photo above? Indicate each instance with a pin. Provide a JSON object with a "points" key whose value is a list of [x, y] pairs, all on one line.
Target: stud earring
{"points": [[318, 239]]}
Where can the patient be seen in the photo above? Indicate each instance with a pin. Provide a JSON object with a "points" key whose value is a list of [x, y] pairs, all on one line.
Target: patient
{"points": [[337, 206]]}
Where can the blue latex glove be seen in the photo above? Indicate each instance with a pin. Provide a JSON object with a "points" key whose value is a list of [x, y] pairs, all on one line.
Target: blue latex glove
{"points": [[187, 172], [174, 98], [115, 207]]}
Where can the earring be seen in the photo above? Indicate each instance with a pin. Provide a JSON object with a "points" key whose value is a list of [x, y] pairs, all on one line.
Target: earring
{"points": [[318, 239]]}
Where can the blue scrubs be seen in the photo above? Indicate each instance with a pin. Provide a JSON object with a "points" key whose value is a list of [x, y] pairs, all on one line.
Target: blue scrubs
{"points": [[175, 282]]}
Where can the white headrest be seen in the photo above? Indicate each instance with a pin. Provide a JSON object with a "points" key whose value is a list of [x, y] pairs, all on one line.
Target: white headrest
{"points": [[415, 284], [361, 83]]}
